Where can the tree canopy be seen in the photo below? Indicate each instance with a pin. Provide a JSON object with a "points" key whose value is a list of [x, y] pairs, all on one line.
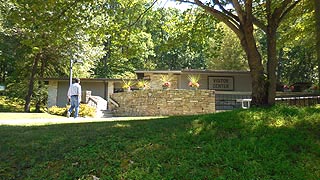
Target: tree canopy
{"points": [[116, 37], [242, 17]]}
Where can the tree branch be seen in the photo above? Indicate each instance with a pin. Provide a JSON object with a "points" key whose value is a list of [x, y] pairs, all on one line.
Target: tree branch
{"points": [[233, 24], [248, 9], [142, 14], [184, 1], [238, 9], [259, 23], [224, 10], [285, 12]]}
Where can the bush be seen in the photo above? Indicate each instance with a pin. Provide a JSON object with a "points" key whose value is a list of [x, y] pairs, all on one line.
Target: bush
{"points": [[85, 110], [9, 104], [55, 110]]}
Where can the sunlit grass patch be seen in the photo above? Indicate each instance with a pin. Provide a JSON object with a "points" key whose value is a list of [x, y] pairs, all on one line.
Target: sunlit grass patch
{"points": [[121, 125]]}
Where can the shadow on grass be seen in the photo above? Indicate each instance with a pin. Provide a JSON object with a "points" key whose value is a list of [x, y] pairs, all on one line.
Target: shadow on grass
{"points": [[277, 143]]}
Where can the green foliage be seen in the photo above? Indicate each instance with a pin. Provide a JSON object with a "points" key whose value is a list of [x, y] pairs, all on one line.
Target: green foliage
{"points": [[227, 53], [183, 39], [296, 47], [87, 111], [55, 110], [11, 104], [114, 38], [14, 104], [266, 143], [40, 37], [84, 111]]}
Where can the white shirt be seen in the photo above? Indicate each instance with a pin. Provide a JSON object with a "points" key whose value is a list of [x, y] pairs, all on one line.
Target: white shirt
{"points": [[75, 89]]}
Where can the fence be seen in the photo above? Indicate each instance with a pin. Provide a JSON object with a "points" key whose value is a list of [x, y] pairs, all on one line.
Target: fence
{"points": [[227, 100], [299, 100]]}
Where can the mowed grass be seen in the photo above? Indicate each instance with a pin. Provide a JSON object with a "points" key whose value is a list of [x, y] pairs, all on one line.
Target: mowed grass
{"points": [[273, 144]]}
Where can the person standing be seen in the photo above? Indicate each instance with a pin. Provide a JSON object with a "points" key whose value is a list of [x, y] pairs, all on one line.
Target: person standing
{"points": [[74, 97]]}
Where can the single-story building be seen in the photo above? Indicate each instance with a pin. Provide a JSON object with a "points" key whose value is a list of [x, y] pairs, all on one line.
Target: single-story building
{"points": [[218, 80], [58, 88], [224, 82]]}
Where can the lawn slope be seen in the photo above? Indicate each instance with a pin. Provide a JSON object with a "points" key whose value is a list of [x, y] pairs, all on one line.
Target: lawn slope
{"points": [[274, 143]]}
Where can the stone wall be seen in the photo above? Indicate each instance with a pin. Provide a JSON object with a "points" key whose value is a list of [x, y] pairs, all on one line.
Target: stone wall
{"points": [[163, 102]]}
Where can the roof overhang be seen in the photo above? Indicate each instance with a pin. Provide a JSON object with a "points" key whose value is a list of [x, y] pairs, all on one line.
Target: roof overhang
{"points": [[84, 79], [194, 71]]}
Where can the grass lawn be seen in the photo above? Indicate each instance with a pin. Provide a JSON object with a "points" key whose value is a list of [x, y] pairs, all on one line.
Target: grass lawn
{"points": [[272, 144]]}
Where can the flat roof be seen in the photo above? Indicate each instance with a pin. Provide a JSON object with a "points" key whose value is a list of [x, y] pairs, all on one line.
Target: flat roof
{"points": [[200, 71], [159, 71], [84, 79], [184, 71]]}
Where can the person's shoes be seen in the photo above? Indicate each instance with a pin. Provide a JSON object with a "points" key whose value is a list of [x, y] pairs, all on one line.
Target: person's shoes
{"points": [[68, 114]]}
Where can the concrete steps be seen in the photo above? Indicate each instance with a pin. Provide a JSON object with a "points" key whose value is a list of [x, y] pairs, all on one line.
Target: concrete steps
{"points": [[101, 106], [105, 114]]}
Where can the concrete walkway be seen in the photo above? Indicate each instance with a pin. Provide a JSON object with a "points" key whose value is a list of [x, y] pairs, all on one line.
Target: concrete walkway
{"points": [[64, 120]]}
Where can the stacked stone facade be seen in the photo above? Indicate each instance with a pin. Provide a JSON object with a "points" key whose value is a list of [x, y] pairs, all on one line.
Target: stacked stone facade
{"points": [[163, 102]]}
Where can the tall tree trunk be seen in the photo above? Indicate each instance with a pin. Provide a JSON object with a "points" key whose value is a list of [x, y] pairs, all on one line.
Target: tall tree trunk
{"points": [[40, 86], [272, 62], [241, 22], [259, 92], [31, 83], [3, 73], [317, 16]]}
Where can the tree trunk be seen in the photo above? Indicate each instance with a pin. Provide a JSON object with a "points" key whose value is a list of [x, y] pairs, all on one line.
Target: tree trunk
{"points": [[31, 83], [259, 91], [272, 62], [317, 16], [39, 99]]}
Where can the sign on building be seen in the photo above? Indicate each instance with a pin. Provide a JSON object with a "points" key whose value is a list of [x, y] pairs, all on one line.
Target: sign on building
{"points": [[222, 83]]}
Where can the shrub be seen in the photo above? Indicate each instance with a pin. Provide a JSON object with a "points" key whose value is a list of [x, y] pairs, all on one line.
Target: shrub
{"points": [[85, 110], [55, 110], [10, 104]]}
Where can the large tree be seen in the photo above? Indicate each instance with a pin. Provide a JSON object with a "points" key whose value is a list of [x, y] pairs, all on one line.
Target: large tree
{"points": [[242, 17], [49, 34]]}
